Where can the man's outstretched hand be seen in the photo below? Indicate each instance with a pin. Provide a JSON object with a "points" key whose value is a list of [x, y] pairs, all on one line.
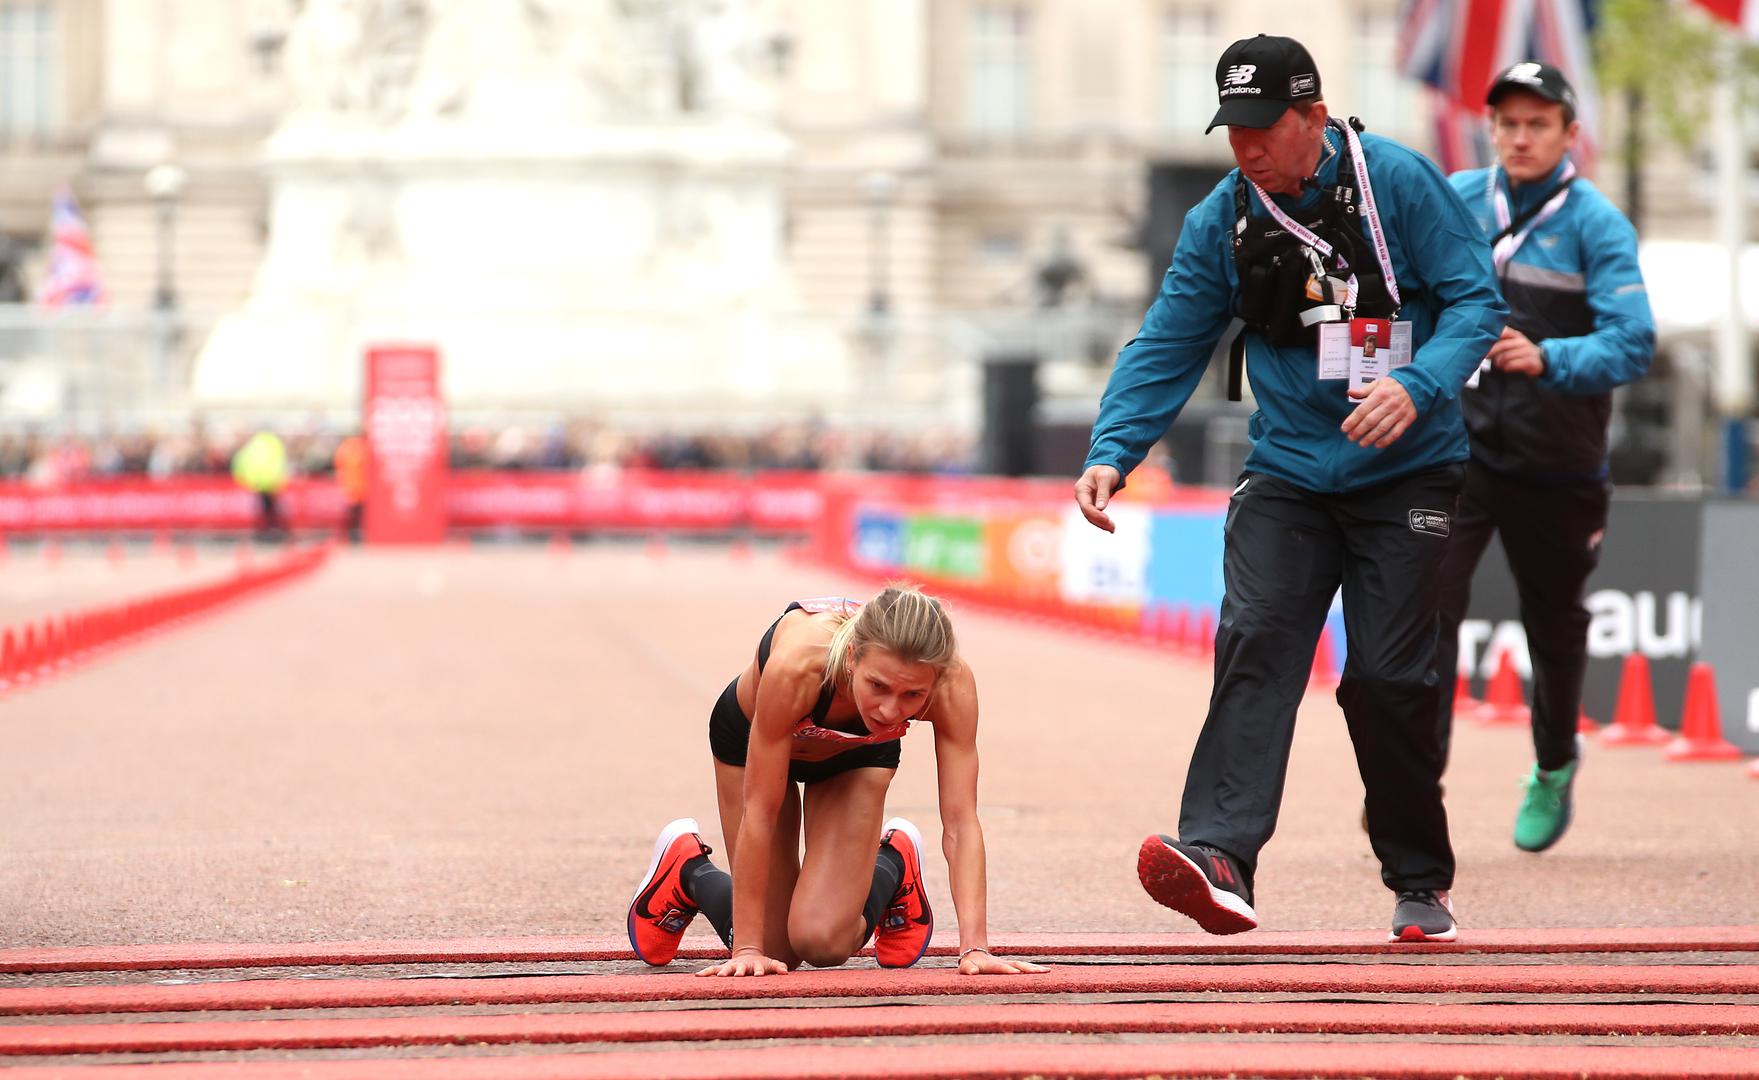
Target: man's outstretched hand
{"points": [[1093, 491]]}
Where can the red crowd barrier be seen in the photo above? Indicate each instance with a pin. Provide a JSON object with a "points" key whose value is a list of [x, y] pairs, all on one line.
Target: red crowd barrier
{"points": [[41, 647]]}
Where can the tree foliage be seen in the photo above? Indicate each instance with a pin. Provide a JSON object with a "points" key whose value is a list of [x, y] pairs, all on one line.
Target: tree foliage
{"points": [[1669, 52]]}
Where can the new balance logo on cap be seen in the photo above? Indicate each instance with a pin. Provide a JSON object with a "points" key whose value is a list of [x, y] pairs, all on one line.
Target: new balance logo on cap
{"points": [[1241, 74]]}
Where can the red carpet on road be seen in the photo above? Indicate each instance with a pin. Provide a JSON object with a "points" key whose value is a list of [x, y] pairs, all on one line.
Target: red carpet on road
{"points": [[1679, 1002]]}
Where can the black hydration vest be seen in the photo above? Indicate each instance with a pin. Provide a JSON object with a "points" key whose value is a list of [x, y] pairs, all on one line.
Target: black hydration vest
{"points": [[1275, 267]]}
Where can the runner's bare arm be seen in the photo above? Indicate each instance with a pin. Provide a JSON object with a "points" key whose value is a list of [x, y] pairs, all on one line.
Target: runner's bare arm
{"points": [[954, 713], [788, 687]]}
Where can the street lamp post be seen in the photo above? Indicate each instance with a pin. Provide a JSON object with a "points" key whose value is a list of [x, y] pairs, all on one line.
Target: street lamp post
{"points": [[165, 184], [879, 188]]}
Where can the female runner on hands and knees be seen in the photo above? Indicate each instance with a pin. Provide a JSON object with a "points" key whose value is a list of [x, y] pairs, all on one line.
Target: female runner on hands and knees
{"points": [[808, 735]]}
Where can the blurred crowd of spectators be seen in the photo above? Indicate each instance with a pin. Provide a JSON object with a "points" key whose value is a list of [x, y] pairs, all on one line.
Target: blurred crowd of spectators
{"points": [[51, 460]]}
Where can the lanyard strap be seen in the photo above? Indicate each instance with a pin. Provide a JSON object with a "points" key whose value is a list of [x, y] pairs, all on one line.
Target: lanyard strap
{"points": [[1509, 238], [1375, 232]]}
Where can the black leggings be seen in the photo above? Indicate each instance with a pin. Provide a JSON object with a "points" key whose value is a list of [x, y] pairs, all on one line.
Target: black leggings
{"points": [[729, 732]]}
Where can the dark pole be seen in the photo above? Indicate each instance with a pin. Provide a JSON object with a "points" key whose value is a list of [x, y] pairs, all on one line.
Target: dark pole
{"points": [[1633, 155]]}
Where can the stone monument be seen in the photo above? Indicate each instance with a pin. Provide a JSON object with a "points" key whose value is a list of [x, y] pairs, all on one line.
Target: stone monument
{"points": [[578, 201]]}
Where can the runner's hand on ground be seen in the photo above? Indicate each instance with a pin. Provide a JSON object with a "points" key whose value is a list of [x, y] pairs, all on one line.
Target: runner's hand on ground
{"points": [[745, 962], [982, 963]]}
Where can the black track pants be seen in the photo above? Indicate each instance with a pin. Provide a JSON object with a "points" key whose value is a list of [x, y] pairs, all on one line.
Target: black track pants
{"points": [[1286, 552], [1551, 534]]}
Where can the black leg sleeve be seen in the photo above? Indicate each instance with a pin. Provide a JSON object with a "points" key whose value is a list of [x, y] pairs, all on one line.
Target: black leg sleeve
{"points": [[888, 871], [711, 889]]}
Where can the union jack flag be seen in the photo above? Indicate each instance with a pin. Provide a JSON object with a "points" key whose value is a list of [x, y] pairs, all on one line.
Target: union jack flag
{"points": [[73, 268], [1456, 47]]}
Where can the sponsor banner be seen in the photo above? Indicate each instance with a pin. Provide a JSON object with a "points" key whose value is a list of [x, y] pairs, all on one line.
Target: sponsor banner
{"points": [[1025, 554], [404, 417], [1642, 598], [1731, 616], [877, 543], [779, 503], [196, 502], [1185, 558], [1107, 568], [949, 548]]}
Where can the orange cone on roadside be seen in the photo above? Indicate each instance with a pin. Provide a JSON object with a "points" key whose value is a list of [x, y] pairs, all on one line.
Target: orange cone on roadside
{"points": [[1633, 717], [1503, 701], [1700, 737]]}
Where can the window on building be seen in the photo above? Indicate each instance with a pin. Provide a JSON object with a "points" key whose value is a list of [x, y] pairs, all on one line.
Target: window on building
{"points": [[1388, 102], [1187, 69], [999, 78], [28, 68]]}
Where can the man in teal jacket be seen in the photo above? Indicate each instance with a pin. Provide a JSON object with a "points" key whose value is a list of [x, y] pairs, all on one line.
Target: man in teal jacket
{"points": [[1537, 412], [1367, 296]]}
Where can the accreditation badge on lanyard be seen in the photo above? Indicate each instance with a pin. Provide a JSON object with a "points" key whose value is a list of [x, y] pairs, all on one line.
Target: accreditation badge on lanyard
{"points": [[1355, 350]]}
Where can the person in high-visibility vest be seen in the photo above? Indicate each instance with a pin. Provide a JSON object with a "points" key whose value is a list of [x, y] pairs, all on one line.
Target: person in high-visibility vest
{"points": [[260, 465]]}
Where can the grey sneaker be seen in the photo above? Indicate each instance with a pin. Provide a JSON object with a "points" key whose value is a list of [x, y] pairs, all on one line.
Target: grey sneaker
{"points": [[1423, 915]]}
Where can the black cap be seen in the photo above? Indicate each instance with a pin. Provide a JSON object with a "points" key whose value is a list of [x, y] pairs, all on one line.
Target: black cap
{"points": [[1258, 78], [1541, 80]]}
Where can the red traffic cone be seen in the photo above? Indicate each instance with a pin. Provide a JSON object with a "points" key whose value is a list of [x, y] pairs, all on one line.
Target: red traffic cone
{"points": [[1633, 716], [1466, 707], [1324, 675], [1174, 629], [1503, 701], [1203, 633], [1585, 724], [1700, 737]]}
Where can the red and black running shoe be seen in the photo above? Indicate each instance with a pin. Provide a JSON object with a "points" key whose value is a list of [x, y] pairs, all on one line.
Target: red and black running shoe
{"points": [[908, 925], [1199, 881], [661, 910]]}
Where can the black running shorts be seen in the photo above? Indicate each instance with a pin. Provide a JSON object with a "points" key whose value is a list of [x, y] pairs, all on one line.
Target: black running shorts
{"points": [[729, 731]]}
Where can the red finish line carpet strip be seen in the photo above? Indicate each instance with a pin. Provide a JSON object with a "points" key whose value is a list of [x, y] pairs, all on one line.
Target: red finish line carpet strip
{"points": [[1670, 1019]]}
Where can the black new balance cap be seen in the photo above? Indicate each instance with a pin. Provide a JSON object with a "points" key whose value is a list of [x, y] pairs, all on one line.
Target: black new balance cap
{"points": [[1258, 78], [1541, 80]]}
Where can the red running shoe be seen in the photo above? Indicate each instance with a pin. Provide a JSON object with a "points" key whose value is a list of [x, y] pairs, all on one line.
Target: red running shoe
{"points": [[660, 911], [908, 925]]}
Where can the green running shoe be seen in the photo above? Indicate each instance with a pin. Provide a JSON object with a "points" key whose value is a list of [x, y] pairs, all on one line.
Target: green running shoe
{"points": [[1545, 812]]}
